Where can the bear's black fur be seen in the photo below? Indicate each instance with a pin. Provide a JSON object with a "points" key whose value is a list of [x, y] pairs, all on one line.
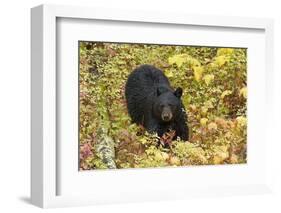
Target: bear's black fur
{"points": [[153, 103]]}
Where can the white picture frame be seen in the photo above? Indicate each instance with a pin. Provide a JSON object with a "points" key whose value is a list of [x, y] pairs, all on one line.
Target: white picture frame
{"points": [[45, 169]]}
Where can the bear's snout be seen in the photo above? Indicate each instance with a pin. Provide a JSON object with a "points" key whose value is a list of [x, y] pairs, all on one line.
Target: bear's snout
{"points": [[166, 114]]}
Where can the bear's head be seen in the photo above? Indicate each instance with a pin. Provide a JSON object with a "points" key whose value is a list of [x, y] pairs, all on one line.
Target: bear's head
{"points": [[167, 104]]}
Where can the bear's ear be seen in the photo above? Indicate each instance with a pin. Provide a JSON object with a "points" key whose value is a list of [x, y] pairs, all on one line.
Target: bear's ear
{"points": [[178, 92], [160, 90]]}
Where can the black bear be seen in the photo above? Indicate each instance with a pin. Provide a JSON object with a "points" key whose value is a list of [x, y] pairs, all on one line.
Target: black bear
{"points": [[153, 103]]}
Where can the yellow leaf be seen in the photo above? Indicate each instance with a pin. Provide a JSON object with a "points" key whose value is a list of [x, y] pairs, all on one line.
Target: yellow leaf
{"points": [[192, 107], [241, 121], [221, 60], [225, 51], [177, 59], [243, 92], [225, 93], [193, 62], [171, 60], [179, 62], [203, 121], [220, 154], [198, 71], [169, 73], [143, 140], [208, 78], [158, 156], [217, 160]]}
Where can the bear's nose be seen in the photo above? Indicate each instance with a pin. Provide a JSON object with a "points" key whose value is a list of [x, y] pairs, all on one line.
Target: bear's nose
{"points": [[166, 117]]}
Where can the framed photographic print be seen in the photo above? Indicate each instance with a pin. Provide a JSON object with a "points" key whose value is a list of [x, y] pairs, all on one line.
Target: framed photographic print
{"points": [[130, 106]]}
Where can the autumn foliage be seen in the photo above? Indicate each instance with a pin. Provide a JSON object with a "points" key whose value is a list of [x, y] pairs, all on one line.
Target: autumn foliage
{"points": [[214, 95]]}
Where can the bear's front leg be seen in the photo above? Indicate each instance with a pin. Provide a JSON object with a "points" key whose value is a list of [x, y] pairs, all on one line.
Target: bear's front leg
{"points": [[183, 133], [150, 123], [182, 130]]}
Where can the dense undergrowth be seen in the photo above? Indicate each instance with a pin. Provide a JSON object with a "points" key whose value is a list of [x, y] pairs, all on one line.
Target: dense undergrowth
{"points": [[215, 97]]}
